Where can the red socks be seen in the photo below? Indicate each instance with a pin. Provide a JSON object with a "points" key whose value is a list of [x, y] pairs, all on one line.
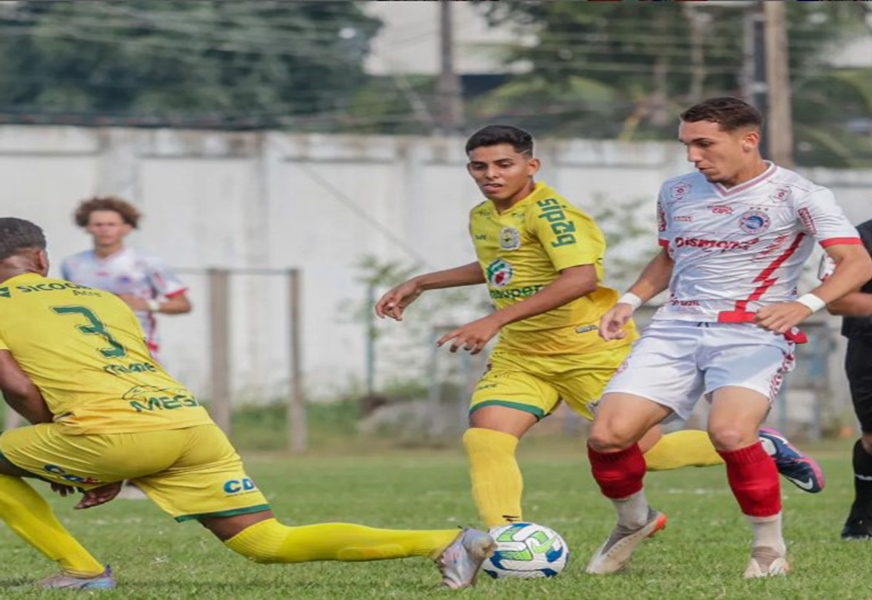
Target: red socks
{"points": [[754, 480], [619, 474]]}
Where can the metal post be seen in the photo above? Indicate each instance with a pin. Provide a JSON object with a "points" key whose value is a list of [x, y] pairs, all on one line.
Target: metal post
{"points": [[296, 401], [448, 87], [219, 320]]}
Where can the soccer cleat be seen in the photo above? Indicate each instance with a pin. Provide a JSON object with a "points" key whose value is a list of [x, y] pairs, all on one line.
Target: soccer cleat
{"points": [[614, 555], [857, 527], [462, 559], [799, 469], [766, 562], [104, 581]]}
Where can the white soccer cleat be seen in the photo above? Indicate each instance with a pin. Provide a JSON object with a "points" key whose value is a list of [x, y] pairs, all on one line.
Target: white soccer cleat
{"points": [[614, 555], [766, 562], [462, 559]]}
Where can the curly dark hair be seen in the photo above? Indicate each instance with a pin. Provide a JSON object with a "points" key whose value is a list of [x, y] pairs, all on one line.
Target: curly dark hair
{"points": [[730, 113], [128, 213], [493, 135], [17, 235]]}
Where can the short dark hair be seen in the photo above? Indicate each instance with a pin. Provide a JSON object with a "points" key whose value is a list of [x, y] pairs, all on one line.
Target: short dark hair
{"points": [[128, 213], [493, 135], [17, 235], [730, 113]]}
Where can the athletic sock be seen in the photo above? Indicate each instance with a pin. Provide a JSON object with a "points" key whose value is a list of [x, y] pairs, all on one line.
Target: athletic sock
{"points": [[687, 448], [271, 542], [862, 462], [619, 475], [32, 519], [497, 484], [754, 480], [767, 533]]}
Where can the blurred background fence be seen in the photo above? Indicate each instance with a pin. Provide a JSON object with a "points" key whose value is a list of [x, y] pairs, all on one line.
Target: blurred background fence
{"points": [[294, 160]]}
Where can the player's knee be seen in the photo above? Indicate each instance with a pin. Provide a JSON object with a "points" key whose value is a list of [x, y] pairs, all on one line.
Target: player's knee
{"points": [[728, 436], [866, 441], [609, 437]]}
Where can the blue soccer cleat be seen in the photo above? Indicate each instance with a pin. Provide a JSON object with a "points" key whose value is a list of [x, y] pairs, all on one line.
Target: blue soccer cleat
{"points": [[799, 469], [104, 581]]}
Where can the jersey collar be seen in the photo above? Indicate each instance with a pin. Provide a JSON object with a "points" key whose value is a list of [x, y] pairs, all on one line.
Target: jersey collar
{"points": [[540, 191], [23, 278], [738, 189]]}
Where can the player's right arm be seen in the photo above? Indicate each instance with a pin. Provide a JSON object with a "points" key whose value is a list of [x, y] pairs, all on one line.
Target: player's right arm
{"points": [[395, 301], [20, 393], [653, 280]]}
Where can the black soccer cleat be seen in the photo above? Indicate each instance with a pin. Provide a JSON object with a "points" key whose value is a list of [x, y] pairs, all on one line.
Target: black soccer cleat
{"points": [[857, 527]]}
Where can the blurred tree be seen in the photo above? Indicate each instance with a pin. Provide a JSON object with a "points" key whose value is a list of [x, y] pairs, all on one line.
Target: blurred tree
{"points": [[228, 60], [624, 70]]}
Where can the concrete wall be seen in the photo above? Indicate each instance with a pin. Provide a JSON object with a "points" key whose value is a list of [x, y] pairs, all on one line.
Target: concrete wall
{"points": [[275, 200]]}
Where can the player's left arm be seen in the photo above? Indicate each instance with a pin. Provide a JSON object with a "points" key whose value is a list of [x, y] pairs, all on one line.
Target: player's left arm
{"points": [[20, 393], [572, 283]]}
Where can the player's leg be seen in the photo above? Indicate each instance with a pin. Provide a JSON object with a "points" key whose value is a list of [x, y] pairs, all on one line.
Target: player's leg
{"points": [[734, 420], [508, 400], [32, 519], [261, 538], [858, 526]]}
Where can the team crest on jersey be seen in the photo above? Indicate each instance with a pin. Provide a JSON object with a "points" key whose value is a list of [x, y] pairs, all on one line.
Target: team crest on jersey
{"points": [[781, 194], [499, 273], [510, 238], [4, 292], [754, 221], [680, 190]]}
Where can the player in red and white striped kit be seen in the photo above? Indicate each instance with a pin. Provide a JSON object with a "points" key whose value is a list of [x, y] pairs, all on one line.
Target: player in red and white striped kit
{"points": [[734, 236]]}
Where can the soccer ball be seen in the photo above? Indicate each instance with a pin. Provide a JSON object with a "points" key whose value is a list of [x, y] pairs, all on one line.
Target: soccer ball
{"points": [[526, 550]]}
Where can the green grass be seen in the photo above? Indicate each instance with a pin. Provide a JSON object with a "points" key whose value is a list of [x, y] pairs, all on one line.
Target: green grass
{"points": [[701, 553]]}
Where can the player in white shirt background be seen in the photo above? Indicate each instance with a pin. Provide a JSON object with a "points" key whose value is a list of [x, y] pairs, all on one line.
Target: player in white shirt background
{"points": [[144, 282], [734, 236]]}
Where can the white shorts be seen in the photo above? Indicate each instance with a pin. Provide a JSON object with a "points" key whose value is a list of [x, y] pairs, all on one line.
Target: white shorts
{"points": [[675, 362]]}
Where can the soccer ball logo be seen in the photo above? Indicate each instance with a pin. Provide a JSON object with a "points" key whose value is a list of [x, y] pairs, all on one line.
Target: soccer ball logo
{"points": [[526, 550]]}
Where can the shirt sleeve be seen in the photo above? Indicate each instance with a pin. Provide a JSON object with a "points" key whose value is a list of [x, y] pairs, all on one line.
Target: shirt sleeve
{"points": [[569, 237], [66, 271], [3, 345], [821, 217], [163, 280]]}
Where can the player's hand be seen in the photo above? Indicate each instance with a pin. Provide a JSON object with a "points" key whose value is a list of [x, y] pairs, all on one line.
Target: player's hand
{"points": [[781, 317], [472, 336], [134, 302], [100, 495], [63, 490], [395, 301], [612, 323]]}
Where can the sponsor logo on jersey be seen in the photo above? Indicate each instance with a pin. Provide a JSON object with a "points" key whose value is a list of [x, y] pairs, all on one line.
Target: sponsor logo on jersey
{"points": [[683, 218], [5, 293], [586, 328], [481, 236], [499, 273], [686, 306], [59, 472], [560, 225], [781, 194], [150, 398], [807, 221], [709, 245], [234, 486], [721, 209], [523, 292], [680, 190], [510, 238], [754, 221]]}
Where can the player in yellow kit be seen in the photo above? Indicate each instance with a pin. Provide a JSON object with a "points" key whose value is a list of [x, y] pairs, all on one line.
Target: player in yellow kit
{"points": [[74, 362], [542, 261]]}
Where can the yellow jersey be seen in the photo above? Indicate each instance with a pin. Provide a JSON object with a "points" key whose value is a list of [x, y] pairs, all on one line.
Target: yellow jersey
{"points": [[522, 250], [85, 350]]}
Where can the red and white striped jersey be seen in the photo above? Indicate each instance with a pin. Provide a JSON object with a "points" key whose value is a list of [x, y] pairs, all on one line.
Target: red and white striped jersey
{"points": [[738, 249], [126, 272]]}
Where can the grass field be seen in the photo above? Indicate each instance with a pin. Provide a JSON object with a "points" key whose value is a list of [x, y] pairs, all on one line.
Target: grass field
{"points": [[701, 553]]}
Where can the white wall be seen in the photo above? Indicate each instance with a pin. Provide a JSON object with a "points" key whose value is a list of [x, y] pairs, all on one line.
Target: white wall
{"points": [[275, 200]]}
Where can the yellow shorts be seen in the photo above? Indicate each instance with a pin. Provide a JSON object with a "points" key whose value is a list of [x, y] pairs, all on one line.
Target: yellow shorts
{"points": [[536, 384], [190, 473]]}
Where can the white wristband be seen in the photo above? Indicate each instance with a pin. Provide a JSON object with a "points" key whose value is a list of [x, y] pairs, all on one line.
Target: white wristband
{"points": [[631, 299], [153, 305], [812, 302]]}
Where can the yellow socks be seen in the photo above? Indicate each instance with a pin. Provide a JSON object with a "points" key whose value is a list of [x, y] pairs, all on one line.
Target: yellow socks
{"points": [[30, 516], [271, 542], [496, 478], [687, 448]]}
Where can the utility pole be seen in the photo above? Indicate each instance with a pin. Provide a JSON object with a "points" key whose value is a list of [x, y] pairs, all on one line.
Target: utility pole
{"points": [[448, 89], [755, 85], [779, 129]]}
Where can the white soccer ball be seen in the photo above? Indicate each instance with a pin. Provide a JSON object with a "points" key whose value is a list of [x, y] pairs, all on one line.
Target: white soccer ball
{"points": [[526, 550]]}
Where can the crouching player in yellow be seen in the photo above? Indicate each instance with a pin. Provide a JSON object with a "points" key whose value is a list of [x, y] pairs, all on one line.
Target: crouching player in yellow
{"points": [[73, 361], [542, 261]]}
